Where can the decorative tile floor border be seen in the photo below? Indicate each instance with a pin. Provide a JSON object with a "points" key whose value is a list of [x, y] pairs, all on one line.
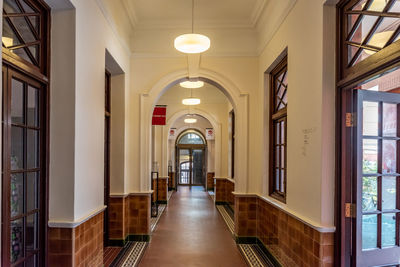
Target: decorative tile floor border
{"points": [[154, 220], [254, 256], [132, 255], [227, 218], [211, 194]]}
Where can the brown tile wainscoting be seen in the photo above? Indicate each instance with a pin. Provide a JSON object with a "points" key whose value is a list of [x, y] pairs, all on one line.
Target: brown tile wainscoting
{"points": [[78, 246], [223, 191], [129, 218], [291, 241], [162, 189], [171, 181], [210, 180]]}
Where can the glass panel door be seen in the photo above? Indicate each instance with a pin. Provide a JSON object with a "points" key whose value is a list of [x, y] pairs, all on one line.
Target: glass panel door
{"points": [[22, 203], [378, 178], [184, 167], [197, 170]]}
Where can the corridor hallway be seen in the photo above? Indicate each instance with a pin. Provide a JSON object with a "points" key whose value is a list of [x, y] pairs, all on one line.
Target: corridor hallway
{"points": [[191, 232]]}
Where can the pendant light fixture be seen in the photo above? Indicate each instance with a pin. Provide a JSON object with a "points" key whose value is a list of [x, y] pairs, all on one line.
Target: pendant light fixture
{"points": [[191, 101], [192, 84], [190, 120], [192, 43]]}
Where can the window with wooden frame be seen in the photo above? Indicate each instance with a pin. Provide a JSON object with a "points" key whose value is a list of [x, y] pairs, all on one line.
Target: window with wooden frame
{"points": [[25, 29], [367, 27], [278, 130]]}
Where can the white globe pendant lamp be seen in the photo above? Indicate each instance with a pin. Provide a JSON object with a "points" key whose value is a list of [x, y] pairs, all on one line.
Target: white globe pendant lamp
{"points": [[192, 43], [190, 120], [192, 84], [191, 101]]}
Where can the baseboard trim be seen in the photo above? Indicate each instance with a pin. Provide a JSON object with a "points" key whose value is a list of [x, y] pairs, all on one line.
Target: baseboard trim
{"points": [[141, 238], [221, 203], [162, 201]]}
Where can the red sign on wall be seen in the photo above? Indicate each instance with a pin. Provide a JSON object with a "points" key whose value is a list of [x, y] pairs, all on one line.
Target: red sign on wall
{"points": [[159, 115]]}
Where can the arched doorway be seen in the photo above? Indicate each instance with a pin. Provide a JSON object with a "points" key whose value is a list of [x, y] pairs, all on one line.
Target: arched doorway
{"points": [[190, 158]]}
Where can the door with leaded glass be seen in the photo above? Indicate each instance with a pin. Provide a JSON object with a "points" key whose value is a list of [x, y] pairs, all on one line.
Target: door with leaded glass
{"points": [[378, 178], [23, 212]]}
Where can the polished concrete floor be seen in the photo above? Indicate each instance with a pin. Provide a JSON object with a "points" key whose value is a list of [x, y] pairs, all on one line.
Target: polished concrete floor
{"points": [[191, 233]]}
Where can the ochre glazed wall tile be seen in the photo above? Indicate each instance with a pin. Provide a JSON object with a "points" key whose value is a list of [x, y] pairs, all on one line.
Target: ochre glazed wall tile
{"points": [[291, 241]]}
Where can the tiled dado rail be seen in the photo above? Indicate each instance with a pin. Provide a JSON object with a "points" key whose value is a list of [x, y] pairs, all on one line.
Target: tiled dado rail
{"points": [[291, 240], [129, 218], [77, 243], [162, 189], [224, 188]]}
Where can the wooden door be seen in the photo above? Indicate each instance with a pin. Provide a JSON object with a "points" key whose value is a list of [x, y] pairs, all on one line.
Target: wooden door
{"points": [[24, 171], [377, 179]]}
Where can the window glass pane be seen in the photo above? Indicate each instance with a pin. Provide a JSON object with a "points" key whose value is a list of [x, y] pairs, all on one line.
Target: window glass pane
{"points": [[22, 53], [370, 194], [191, 138], [388, 193], [35, 22], [389, 126], [277, 156], [33, 106], [26, 7], [10, 6], [17, 101], [387, 82], [277, 180], [377, 5], [9, 38], [23, 28], [351, 19], [363, 28], [370, 156], [388, 229], [34, 51], [370, 118], [369, 231], [277, 132], [395, 7], [282, 181], [389, 151], [32, 232], [17, 240], [283, 157], [32, 191], [17, 194], [365, 53], [360, 5], [17, 146], [352, 50], [32, 149], [384, 31], [283, 134]]}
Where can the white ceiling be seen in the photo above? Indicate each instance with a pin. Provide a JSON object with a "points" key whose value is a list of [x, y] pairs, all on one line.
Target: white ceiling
{"points": [[207, 13]]}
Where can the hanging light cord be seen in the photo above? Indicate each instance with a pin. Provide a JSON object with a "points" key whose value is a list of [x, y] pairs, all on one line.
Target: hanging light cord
{"points": [[192, 15]]}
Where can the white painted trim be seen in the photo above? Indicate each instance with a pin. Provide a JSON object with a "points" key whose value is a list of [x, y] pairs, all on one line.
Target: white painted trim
{"points": [[76, 223], [118, 195], [143, 193], [316, 226]]}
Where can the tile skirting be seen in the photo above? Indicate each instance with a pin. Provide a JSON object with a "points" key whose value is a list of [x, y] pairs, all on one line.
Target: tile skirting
{"points": [[319, 228], [79, 246], [288, 239]]}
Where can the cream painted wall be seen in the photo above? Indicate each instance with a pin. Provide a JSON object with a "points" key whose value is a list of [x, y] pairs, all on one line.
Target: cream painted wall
{"points": [[310, 182], [76, 190]]}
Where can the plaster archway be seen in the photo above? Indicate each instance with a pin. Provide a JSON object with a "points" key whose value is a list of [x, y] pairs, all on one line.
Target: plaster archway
{"points": [[239, 101], [217, 130]]}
